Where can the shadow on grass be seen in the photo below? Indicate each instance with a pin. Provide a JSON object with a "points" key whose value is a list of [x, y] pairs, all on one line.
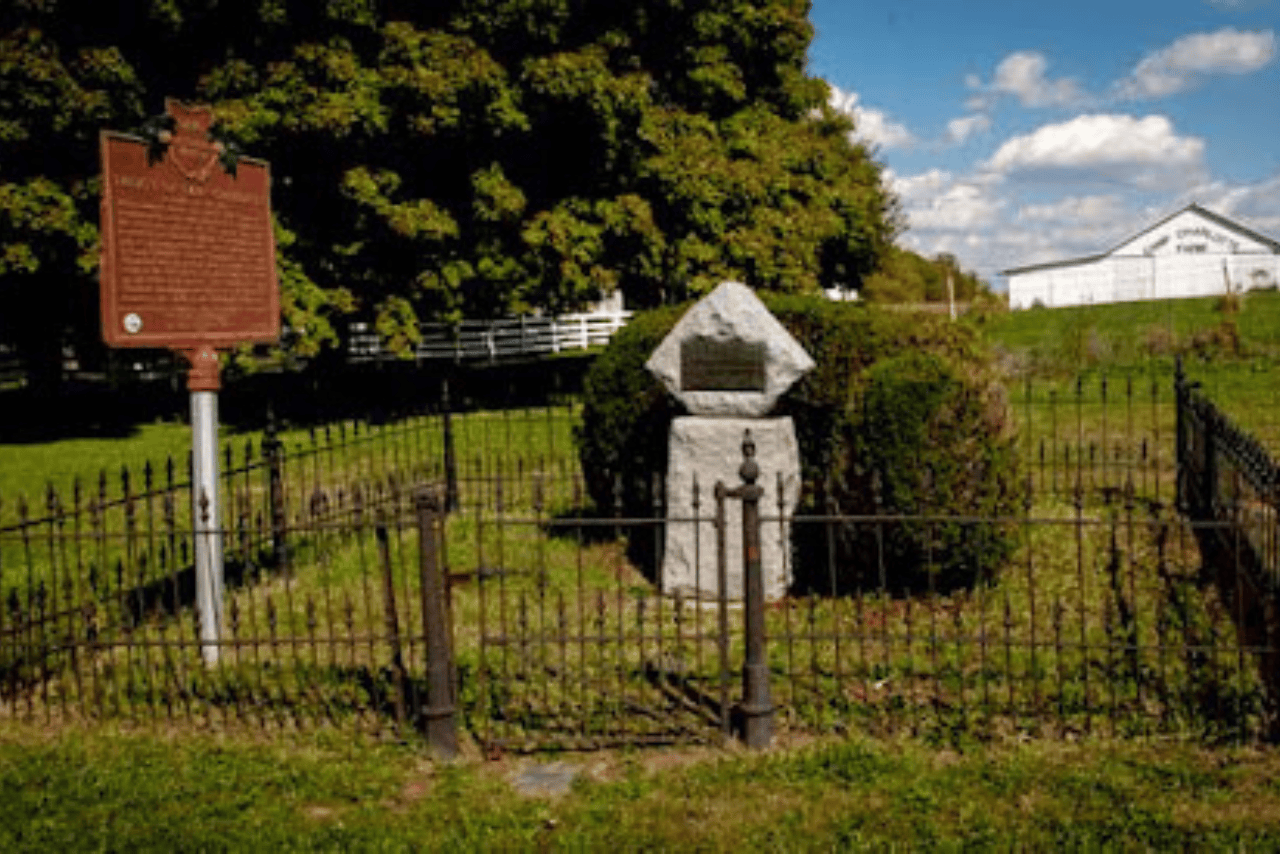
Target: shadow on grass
{"points": [[35, 646]]}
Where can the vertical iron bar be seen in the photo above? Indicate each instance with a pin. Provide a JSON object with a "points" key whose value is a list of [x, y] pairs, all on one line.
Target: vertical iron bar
{"points": [[440, 706], [722, 581], [391, 615], [273, 449], [451, 498]]}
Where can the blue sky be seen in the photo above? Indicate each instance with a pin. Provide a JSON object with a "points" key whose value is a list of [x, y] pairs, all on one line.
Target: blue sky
{"points": [[1021, 132]]}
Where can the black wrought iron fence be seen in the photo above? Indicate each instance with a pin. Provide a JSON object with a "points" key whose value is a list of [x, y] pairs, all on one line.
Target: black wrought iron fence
{"points": [[1102, 617], [1229, 483], [120, 544], [1102, 621], [344, 641], [1098, 432]]}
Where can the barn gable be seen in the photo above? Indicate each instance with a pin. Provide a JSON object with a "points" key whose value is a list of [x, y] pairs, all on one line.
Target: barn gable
{"points": [[1196, 231]]}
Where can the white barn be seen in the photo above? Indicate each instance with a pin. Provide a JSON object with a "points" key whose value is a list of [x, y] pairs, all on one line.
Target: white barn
{"points": [[1191, 253]]}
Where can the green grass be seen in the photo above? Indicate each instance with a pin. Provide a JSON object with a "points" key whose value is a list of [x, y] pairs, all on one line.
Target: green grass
{"points": [[182, 790], [1120, 334], [483, 441], [27, 468], [1119, 341], [333, 462]]}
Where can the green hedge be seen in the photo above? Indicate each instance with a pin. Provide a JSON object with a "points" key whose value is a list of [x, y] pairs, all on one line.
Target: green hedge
{"points": [[903, 415]]}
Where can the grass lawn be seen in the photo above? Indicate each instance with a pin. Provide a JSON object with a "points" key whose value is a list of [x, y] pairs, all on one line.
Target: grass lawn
{"points": [[1133, 332], [481, 438], [110, 790], [27, 467], [1139, 339]]}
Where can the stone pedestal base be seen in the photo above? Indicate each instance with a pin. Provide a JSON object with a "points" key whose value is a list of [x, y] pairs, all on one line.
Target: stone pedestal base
{"points": [[707, 450]]}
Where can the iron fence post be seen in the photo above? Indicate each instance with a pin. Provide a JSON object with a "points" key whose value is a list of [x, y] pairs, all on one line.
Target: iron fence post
{"points": [[391, 614], [722, 605], [757, 705], [440, 709]]}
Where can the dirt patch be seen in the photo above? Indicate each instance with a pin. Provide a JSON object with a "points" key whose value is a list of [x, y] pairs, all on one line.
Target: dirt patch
{"points": [[551, 778], [414, 789], [419, 785], [321, 812]]}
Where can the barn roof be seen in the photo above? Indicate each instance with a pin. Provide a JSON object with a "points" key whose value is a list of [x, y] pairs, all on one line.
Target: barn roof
{"points": [[1218, 219]]}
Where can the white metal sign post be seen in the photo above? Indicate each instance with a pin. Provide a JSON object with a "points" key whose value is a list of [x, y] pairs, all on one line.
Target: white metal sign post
{"points": [[202, 380]]}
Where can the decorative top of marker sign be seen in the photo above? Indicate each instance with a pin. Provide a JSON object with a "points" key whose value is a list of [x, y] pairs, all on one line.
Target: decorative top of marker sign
{"points": [[729, 356], [191, 150]]}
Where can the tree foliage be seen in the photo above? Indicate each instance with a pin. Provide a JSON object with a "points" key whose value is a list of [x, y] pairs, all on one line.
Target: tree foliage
{"points": [[907, 277], [454, 158]]}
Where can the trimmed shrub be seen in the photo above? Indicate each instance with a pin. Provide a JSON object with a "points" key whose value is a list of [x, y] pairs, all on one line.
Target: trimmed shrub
{"points": [[626, 414], [930, 444], [903, 415]]}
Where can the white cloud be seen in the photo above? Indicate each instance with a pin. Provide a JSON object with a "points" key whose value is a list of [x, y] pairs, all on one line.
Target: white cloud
{"points": [[1021, 74], [1236, 5], [1185, 62], [1076, 209], [963, 206], [1177, 67], [959, 130], [912, 188], [1144, 152], [870, 125], [1071, 227], [991, 227]]}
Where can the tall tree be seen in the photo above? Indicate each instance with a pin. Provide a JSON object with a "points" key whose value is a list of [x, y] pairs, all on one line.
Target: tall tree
{"points": [[457, 158]]}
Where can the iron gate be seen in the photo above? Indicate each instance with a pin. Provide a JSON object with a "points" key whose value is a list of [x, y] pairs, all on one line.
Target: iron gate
{"points": [[595, 655]]}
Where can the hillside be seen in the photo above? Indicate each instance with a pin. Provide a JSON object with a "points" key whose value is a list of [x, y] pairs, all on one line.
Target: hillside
{"points": [[1232, 351], [1054, 341]]}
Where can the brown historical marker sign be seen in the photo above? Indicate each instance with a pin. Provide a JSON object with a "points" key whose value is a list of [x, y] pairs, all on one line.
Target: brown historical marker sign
{"points": [[188, 257]]}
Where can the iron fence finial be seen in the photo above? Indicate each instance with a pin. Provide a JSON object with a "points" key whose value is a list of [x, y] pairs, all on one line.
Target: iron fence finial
{"points": [[750, 470]]}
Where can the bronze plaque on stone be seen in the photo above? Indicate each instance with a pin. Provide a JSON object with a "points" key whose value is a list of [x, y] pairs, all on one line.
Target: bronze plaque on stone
{"points": [[188, 256], [709, 365]]}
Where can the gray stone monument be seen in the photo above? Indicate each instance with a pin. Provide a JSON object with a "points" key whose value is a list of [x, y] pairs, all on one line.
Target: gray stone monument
{"points": [[728, 361]]}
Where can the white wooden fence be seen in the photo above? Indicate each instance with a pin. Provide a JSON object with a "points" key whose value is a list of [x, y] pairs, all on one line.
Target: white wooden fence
{"points": [[498, 339]]}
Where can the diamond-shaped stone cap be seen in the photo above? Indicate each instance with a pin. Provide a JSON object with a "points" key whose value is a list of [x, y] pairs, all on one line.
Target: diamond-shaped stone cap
{"points": [[731, 314]]}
